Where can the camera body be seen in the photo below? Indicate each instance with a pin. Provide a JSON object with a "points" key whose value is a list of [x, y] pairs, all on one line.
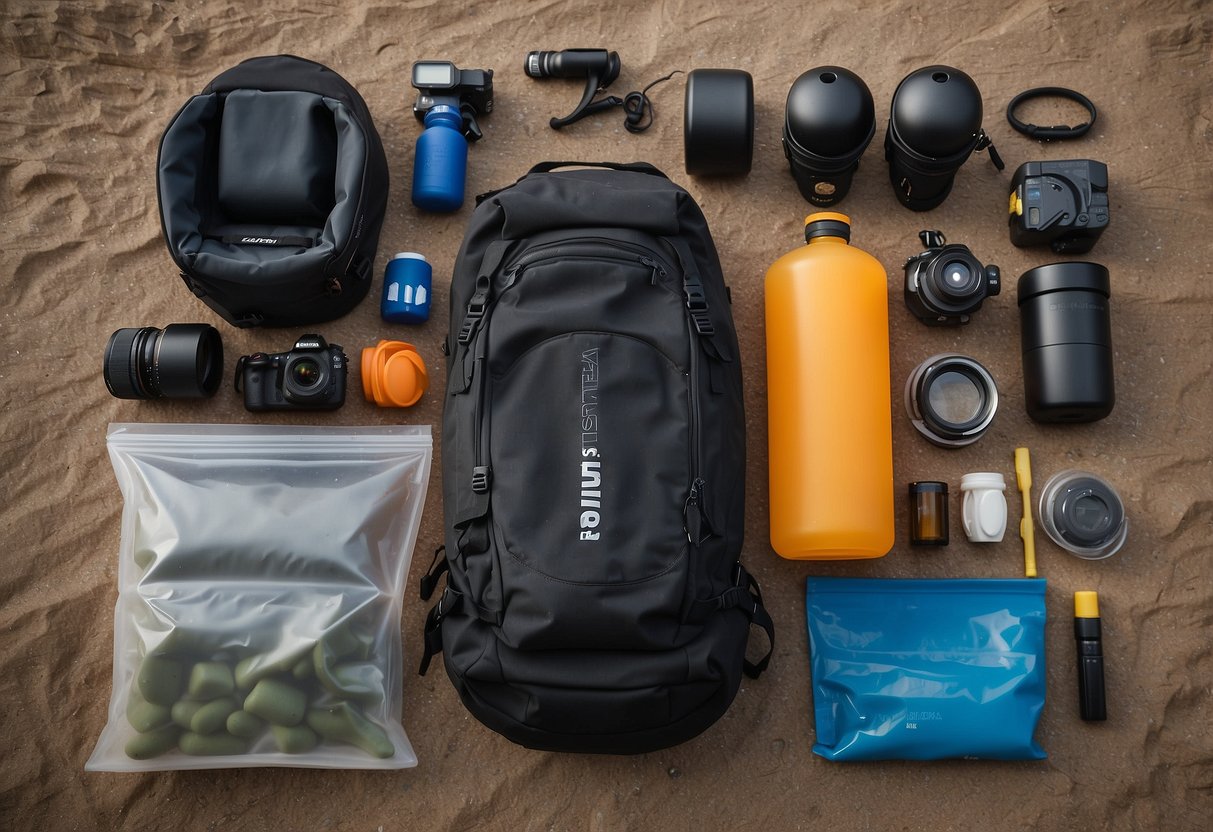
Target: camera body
{"points": [[441, 83], [1062, 204], [946, 284], [311, 376]]}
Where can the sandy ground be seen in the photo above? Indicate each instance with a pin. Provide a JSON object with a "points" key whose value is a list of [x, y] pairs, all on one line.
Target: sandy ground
{"points": [[85, 93]]}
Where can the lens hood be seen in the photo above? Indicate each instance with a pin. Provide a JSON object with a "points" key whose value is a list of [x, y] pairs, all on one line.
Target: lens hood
{"points": [[829, 121], [934, 126]]}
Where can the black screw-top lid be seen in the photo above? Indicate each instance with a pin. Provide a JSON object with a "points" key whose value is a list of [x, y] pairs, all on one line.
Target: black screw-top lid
{"points": [[1071, 276], [1087, 512], [937, 111], [928, 487], [830, 112], [827, 224]]}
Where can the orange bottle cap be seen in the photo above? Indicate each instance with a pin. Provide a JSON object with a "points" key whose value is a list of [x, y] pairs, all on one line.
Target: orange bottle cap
{"points": [[393, 374]]}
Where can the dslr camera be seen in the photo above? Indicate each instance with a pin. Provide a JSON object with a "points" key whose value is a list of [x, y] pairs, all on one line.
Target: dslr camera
{"points": [[309, 377], [946, 284]]}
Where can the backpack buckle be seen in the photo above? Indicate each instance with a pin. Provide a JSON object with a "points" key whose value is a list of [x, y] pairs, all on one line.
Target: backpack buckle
{"points": [[481, 475], [697, 306], [471, 319]]}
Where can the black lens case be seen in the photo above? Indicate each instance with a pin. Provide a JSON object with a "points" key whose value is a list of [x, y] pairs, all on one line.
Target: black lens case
{"points": [[934, 126], [829, 121], [1065, 328]]}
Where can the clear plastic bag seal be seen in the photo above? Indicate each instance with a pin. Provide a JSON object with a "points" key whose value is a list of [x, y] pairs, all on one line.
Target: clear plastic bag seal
{"points": [[260, 579]]}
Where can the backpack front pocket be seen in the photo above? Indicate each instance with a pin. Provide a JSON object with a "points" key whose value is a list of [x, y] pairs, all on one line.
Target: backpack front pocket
{"points": [[590, 477]]}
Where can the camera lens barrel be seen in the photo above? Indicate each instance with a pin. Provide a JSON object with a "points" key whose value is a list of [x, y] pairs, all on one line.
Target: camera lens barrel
{"points": [[718, 122], [934, 126], [574, 63], [829, 121], [1066, 338], [182, 361]]}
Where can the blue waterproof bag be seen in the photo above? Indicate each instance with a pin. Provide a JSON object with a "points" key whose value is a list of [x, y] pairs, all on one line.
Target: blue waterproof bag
{"points": [[927, 669]]}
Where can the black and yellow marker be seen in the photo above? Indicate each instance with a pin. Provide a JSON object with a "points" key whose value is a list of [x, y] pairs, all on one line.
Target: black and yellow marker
{"points": [[1092, 705]]}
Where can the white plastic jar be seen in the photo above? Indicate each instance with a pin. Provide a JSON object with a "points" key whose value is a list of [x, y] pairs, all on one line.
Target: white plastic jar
{"points": [[984, 512]]}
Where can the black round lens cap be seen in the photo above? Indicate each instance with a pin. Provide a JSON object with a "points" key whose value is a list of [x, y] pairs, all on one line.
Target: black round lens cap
{"points": [[1072, 276], [1087, 512]]}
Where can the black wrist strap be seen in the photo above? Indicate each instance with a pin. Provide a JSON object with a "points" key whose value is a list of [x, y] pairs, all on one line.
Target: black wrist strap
{"points": [[1056, 132]]}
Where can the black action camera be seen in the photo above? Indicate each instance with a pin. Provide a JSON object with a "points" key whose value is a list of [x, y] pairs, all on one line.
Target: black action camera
{"points": [[946, 284], [1062, 204], [441, 83], [309, 377]]}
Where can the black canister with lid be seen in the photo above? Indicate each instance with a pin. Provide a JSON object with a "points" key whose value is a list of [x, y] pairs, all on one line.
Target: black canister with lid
{"points": [[828, 122], [934, 126], [1065, 331]]}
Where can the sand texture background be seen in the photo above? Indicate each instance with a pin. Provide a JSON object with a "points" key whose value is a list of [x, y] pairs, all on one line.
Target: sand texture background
{"points": [[85, 93]]}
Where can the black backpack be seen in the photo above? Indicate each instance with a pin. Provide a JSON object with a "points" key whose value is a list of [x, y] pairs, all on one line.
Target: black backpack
{"points": [[273, 186], [593, 451]]}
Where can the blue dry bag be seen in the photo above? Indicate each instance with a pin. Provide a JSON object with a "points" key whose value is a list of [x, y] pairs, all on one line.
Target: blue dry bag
{"points": [[927, 669]]}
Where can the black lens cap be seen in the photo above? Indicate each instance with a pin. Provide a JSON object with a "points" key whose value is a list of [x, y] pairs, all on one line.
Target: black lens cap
{"points": [[1087, 512]]}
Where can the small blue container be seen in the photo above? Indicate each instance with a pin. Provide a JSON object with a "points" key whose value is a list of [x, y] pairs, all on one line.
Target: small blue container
{"points": [[440, 161], [407, 281]]}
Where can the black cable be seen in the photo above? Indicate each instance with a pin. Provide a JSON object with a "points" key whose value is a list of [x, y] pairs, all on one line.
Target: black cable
{"points": [[1058, 131], [637, 105]]}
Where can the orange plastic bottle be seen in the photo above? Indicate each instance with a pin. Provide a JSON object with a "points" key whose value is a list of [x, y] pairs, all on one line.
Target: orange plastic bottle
{"points": [[831, 444]]}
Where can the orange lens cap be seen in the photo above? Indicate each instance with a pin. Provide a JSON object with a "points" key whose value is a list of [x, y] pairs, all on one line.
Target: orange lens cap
{"points": [[393, 374]]}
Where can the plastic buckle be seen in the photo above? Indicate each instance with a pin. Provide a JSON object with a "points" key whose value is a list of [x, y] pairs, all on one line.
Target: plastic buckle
{"points": [[471, 320], [481, 475]]}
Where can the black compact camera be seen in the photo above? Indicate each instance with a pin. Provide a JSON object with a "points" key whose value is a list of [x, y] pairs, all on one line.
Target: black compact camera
{"points": [[1062, 204], [946, 284], [442, 84], [309, 377]]}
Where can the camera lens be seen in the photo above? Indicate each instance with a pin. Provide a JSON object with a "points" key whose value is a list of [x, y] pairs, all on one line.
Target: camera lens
{"points": [[956, 279], [306, 372], [304, 378], [951, 400], [182, 361]]}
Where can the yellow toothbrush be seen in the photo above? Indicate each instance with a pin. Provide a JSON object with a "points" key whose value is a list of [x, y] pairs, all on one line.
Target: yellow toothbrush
{"points": [[1023, 476]]}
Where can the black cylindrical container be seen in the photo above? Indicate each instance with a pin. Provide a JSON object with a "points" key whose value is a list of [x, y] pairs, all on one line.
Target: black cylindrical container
{"points": [[828, 123], [1066, 337], [718, 122], [934, 126]]}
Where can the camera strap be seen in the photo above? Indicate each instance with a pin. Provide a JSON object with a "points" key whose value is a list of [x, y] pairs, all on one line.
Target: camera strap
{"points": [[1058, 131]]}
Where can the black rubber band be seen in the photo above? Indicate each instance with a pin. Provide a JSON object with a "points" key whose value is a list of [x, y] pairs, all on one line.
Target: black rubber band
{"points": [[1056, 132]]}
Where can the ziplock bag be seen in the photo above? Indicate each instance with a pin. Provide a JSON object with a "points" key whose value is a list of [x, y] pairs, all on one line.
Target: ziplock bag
{"points": [[260, 578], [927, 669]]}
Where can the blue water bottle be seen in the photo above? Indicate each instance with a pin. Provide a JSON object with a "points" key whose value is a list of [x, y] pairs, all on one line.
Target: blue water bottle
{"points": [[407, 281], [440, 161]]}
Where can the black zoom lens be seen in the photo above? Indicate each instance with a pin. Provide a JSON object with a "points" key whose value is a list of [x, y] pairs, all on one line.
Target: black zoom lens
{"points": [[181, 361]]}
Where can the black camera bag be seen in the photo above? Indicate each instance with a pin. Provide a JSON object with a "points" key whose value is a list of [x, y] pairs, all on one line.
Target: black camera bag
{"points": [[273, 185], [593, 451]]}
